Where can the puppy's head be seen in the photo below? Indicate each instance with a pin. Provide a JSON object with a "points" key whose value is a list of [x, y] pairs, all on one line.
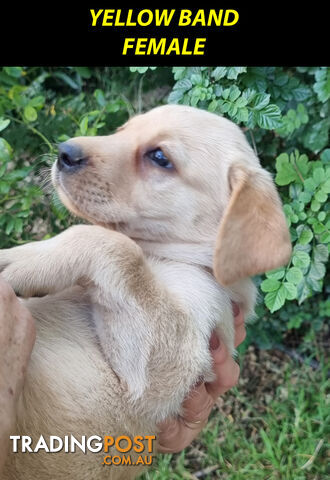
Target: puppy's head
{"points": [[179, 174]]}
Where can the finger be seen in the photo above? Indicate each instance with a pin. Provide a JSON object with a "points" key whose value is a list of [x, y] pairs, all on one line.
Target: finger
{"points": [[226, 371], [177, 433], [197, 407], [240, 332], [240, 335], [174, 436], [236, 309]]}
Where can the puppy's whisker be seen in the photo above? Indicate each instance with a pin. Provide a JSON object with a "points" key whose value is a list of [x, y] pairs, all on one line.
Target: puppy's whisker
{"points": [[44, 158], [43, 179]]}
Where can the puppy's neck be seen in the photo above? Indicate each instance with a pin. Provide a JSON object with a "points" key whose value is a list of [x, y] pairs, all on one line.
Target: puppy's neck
{"points": [[196, 254]]}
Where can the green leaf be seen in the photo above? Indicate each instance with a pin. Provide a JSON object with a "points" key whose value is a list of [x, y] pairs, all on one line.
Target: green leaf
{"points": [[249, 94], [300, 259], [315, 206], [269, 117], [196, 79], [233, 72], [305, 197], [281, 79], [302, 164], [277, 273], [325, 155], [305, 234], [66, 79], [294, 275], [275, 300], [241, 102], [14, 71], [4, 188], [285, 170], [175, 96], [138, 69], [317, 270], [309, 184], [113, 107], [5, 150], [84, 72], [321, 196], [99, 95], [291, 290], [316, 137], [326, 186], [232, 110], [303, 291], [295, 322], [185, 84], [30, 113], [234, 93], [260, 101], [316, 285], [10, 226], [213, 106], [242, 115], [318, 175], [37, 102], [219, 73], [18, 227], [179, 72], [17, 95], [302, 113], [4, 122], [321, 216], [322, 84], [325, 237], [18, 174], [83, 125], [301, 93], [321, 253], [270, 285], [3, 169]]}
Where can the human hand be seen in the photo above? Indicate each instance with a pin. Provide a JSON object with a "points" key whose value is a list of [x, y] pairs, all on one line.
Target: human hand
{"points": [[177, 433], [17, 336]]}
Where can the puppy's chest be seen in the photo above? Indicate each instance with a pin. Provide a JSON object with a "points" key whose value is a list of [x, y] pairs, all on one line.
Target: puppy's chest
{"points": [[196, 289]]}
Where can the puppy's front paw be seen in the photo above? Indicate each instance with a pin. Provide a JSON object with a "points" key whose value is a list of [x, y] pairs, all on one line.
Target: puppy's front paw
{"points": [[10, 269], [22, 277], [24, 252], [5, 258], [23, 268]]}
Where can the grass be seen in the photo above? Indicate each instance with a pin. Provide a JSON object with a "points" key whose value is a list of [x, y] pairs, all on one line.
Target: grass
{"points": [[274, 426]]}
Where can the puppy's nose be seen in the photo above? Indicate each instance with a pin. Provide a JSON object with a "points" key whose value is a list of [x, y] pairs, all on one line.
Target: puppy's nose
{"points": [[70, 157]]}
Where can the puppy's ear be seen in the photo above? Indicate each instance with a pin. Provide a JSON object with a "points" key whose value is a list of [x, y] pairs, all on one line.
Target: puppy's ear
{"points": [[253, 236]]}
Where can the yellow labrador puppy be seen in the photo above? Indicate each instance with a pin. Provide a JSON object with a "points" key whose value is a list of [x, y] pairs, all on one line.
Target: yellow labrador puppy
{"points": [[182, 215]]}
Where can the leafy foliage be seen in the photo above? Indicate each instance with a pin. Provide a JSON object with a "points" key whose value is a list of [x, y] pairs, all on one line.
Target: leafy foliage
{"points": [[308, 215], [16, 198], [283, 111]]}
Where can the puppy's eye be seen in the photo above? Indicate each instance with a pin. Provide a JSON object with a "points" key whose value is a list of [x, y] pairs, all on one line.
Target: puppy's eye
{"points": [[158, 158]]}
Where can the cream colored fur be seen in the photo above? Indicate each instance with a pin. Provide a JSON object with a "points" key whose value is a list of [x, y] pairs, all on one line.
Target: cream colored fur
{"points": [[131, 301]]}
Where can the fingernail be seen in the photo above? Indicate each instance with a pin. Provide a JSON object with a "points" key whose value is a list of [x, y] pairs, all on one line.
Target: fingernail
{"points": [[214, 341], [199, 382], [235, 309]]}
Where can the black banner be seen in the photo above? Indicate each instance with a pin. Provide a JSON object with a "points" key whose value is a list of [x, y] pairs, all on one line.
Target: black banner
{"points": [[103, 33]]}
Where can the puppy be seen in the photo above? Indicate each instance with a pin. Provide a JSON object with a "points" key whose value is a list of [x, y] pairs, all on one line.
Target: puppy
{"points": [[182, 214]]}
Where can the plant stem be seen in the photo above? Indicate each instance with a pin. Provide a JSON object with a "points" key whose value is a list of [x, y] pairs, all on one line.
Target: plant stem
{"points": [[34, 130]]}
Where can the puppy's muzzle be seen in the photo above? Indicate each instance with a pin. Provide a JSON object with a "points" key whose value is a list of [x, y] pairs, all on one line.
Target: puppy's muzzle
{"points": [[70, 157]]}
